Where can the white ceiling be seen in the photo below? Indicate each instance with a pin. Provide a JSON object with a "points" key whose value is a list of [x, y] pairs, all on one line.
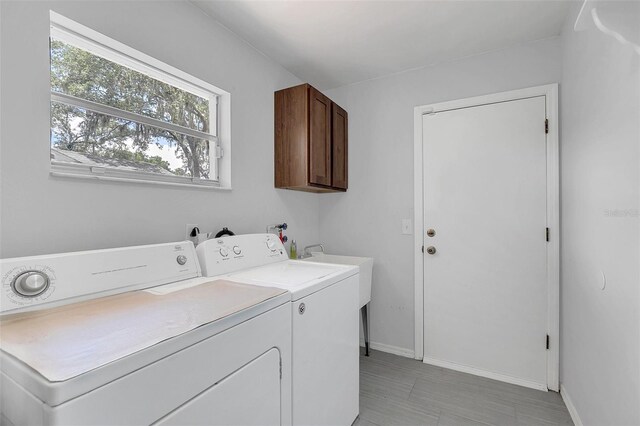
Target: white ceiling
{"points": [[334, 43]]}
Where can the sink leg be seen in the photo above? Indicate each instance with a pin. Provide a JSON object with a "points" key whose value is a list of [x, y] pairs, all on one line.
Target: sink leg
{"points": [[365, 328]]}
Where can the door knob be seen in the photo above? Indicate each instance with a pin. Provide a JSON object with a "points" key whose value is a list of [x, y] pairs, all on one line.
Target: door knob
{"points": [[431, 250]]}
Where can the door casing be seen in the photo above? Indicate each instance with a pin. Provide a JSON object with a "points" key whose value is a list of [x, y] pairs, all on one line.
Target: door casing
{"points": [[550, 92]]}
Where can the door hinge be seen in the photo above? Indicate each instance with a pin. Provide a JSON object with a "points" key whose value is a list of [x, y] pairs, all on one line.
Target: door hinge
{"points": [[546, 125], [547, 341], [547, 234]]}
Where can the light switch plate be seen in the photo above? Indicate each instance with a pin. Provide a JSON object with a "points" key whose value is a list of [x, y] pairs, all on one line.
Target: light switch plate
{"points": [[407, 228]]}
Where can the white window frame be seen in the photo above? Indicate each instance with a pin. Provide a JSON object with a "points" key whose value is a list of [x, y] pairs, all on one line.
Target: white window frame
{"points": [[78, 35]]}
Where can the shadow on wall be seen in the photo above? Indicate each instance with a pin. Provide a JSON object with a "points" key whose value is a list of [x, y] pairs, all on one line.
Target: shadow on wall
{"points": [[612, 18]]}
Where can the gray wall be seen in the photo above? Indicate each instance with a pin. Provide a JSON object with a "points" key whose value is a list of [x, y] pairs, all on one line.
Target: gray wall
{"points": [[600, 151], [41, 214], [366, 220]]}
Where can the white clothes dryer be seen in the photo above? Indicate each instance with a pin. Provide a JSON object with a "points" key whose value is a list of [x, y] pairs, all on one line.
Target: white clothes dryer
{"points": [[103, 337]]}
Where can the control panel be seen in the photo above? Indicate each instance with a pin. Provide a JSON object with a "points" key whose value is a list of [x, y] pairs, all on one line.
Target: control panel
{"points": [[28, 283], [229, 254]]}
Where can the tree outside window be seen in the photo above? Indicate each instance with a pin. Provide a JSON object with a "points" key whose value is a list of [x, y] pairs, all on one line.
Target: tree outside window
{"points": [[81, 135]]}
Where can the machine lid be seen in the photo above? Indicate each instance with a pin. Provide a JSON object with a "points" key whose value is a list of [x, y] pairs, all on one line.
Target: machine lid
{"points": [[298, 277], [289, 274], [68, 341]]}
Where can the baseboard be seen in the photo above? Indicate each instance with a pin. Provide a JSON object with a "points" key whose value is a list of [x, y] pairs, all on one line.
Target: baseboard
{"points": [[396, 350], [484, 373], [572, 408]]}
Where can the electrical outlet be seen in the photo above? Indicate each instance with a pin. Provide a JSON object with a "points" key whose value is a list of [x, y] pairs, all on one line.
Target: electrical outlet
{"points": [[188, 228], [406, 227]]}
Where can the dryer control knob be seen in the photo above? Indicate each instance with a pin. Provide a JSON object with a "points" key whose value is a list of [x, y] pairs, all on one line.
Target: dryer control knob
{"points": [[30, 283], [237, 250]]}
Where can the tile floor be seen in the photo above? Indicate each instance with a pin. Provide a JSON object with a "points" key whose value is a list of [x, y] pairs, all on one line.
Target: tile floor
{"points": [[402, 391]]}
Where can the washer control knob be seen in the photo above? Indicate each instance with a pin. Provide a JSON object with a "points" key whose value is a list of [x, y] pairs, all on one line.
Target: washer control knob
{"points": [[237, 250], [182, 259], [30, 283], [271, 245], [224, 252]]}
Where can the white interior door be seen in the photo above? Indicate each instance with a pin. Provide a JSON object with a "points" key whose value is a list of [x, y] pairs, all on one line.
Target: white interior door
{"points": [[485, 287]]}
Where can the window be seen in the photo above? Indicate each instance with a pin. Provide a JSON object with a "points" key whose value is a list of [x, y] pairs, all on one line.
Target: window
{"points": [[118, 114]]}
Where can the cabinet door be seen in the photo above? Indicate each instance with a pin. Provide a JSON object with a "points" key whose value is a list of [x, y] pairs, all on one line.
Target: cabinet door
{"points": [[319, 138], [340, 147]]}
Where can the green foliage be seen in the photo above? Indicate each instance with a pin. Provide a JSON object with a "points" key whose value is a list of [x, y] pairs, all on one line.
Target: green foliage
{"points": [[137, 156], [84, 75]]}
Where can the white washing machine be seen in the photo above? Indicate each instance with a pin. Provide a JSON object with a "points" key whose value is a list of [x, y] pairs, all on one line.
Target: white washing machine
{"points": [[324, 310], [103, 337]]}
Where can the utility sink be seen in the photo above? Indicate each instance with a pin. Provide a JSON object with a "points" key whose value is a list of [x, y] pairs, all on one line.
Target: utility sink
{"points": [[364, 263]]}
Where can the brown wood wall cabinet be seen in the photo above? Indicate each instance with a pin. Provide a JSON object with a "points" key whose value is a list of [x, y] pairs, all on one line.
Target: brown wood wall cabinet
{"points": [[311, 141]]}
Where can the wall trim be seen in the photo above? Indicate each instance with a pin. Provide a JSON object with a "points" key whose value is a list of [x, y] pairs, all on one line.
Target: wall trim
{"points": [[572, 408], [484, 373], [390, 349], [550, 92]]}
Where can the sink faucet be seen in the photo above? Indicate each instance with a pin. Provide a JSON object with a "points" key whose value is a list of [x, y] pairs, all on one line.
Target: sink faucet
{"points": [[307, 253]]}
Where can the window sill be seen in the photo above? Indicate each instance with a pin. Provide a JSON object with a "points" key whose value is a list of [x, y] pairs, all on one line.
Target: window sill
{"points": [[105, 174]]}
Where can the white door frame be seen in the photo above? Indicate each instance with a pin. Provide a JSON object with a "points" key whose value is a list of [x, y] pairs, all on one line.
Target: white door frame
{"points": [[553, 218]]}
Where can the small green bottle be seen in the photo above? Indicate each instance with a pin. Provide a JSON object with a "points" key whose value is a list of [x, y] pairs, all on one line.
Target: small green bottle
{"points": [[293, 250]]}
